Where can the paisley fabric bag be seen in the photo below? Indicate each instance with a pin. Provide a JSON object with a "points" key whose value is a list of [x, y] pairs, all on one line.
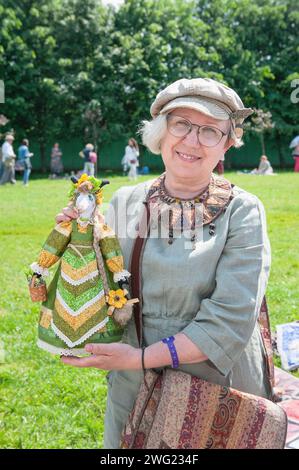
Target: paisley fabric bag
{"points": [[176, 410]]}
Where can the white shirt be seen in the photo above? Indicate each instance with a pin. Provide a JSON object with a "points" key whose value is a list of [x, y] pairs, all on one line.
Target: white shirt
{"points": [[131, 154], [7, 151]]}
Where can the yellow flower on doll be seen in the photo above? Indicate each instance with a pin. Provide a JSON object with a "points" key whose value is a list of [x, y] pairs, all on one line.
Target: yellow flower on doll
{"points": [[117, 298], [83, 178]]}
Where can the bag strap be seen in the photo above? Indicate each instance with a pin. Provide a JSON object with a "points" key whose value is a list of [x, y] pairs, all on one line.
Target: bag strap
{"points": [[135, 269], [136, 289]]}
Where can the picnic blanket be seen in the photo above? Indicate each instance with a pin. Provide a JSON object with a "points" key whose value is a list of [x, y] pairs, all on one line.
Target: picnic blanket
{"points": [[288, 386]]}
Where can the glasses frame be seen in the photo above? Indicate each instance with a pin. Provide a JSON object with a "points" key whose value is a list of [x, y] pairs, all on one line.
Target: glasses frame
{"points": [[191, 125]]}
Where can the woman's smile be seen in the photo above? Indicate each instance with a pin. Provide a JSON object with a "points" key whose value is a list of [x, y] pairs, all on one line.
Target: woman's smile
{"points": [[187, 157]]}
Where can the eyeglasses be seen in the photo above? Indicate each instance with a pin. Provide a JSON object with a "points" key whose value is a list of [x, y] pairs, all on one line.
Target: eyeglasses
{"points": [[206, 135]]}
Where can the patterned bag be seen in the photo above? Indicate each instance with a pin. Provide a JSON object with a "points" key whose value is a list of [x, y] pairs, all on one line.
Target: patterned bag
{"points": [[182, 411], [176, 410]]}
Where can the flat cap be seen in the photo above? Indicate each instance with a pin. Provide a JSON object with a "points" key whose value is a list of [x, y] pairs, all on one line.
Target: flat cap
{"points": [[202, 94]]}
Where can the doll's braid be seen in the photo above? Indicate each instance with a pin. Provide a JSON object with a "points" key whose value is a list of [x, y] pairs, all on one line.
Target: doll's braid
{"points": [[96, 246]]}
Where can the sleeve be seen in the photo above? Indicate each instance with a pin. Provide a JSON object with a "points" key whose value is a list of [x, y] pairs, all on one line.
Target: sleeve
{"points": [[225, 322], [112, 253], [53, 248]]}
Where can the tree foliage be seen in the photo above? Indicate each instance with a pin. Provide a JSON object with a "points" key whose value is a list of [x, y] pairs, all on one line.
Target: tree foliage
{"points": [[61, 59]]}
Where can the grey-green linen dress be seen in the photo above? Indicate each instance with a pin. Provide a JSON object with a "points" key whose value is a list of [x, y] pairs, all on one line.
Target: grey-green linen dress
{"points": [[212, 294]]}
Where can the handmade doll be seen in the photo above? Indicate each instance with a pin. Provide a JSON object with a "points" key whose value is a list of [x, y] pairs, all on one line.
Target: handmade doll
{"points": [[85, 301]]}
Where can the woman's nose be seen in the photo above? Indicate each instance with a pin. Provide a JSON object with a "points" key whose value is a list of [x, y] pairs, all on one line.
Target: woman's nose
{"points": [[191, 138]]}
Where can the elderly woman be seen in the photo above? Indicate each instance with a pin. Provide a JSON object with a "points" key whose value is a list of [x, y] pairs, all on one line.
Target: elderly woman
{"points": [[204, 268]]}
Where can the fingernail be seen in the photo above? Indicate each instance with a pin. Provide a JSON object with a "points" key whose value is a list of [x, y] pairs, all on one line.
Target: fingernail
{"points": [[88, 348]]}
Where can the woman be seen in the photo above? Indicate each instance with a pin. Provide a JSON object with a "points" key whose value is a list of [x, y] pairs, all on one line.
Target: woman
{"points": [[8, 161], [24, 156], [56, 161], [131, 158], [295, 155], [264, 168], [89, 165], [205, 273]]}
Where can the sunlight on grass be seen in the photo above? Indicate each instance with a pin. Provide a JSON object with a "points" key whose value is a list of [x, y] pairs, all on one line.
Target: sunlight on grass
{"points": [[46, 405]]}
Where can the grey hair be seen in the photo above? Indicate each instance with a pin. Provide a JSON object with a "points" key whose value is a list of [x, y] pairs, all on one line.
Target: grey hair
{"points": [[153, 131]]}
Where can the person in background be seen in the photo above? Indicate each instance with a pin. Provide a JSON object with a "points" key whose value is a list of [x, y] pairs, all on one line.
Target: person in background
{"points": [[264, 168], [8, 161], [1, 162], [24, 157], [56, 161], [220, 166], [125, 163], [88, 164], [131, 157], [295, 155]]}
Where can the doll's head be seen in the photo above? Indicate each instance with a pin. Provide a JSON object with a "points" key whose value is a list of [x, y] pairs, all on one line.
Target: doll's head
{"points": [[87, 194], [85, 204]]}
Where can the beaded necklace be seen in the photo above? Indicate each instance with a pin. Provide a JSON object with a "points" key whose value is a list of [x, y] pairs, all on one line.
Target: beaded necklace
{"points": [[178, 215]]}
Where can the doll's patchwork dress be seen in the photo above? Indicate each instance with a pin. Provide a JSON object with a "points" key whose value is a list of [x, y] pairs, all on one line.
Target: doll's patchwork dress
{"points": [[75, 312]]}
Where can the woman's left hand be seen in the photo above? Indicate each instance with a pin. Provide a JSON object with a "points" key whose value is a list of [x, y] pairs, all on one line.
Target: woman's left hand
{"points": [[112, 356]]}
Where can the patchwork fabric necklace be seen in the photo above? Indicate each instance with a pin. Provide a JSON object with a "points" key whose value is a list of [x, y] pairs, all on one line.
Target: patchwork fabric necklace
{"points": [[177, 216]]}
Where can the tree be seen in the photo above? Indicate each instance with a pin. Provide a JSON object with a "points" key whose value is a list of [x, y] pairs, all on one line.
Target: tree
{"points": [[261, 122], [58, 56], [94, 119]]}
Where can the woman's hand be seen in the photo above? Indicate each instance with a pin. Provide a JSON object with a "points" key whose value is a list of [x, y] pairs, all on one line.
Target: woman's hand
{"points": [[69, 213], [66, 215], [112, 356]]}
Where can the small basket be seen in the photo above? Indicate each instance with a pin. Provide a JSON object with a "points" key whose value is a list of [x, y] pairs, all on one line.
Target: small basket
{"points": [[38, 292]]}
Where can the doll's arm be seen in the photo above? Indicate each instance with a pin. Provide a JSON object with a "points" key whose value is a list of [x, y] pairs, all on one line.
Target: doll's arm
{"points": [[112, 253], [53, 248]]}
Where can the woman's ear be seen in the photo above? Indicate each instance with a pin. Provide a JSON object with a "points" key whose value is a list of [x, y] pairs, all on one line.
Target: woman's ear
{"points": [[229, 143]]}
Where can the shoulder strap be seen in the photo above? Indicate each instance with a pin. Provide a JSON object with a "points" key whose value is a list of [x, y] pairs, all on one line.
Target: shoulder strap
{"points": [[136, 291], [135, 269]]}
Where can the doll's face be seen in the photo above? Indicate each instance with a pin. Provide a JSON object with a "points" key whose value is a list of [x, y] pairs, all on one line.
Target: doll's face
{"points": [[85, 203]]}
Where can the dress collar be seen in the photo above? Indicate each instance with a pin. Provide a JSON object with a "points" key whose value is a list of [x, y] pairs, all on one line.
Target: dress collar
{"points": [[214, 199]]}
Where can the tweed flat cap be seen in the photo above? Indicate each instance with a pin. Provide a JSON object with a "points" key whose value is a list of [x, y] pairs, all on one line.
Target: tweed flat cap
{"points": [[202, 94]]}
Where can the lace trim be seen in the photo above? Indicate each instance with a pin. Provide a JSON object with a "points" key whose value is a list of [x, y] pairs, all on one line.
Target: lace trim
{"points": [[88, 304], [83, 338], [61, 351], [122, 276], [36, 268], [83, 279]]}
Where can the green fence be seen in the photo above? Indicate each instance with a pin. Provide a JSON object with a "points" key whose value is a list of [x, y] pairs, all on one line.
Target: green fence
{"points": [[110, 155]]}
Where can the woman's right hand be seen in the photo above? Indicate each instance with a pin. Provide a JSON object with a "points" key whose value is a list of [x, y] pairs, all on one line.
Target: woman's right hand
{"points": [[66, 215]]}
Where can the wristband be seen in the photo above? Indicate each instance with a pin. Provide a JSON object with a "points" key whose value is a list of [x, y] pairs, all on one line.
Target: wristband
{"points": [[142, 359], [173, 352]]}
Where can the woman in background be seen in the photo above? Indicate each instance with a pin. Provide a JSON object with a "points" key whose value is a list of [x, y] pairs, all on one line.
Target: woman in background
{"points": [[131, 158], [295, 155], [56, 161], [25, 156], [264, 168]]}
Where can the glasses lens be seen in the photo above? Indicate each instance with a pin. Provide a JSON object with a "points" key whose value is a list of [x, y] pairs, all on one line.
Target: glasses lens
{"points": [[177, 126], [209, 136]]}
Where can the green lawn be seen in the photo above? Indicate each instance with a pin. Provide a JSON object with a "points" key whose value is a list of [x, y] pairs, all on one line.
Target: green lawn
{"points": [[44, 404]]}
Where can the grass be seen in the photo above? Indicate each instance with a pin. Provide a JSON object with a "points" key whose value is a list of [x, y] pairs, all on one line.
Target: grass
{"points": [[46, 405]]}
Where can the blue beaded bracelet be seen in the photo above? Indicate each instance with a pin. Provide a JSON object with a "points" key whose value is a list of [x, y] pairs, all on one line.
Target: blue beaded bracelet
{"points": [[174, 355]]}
